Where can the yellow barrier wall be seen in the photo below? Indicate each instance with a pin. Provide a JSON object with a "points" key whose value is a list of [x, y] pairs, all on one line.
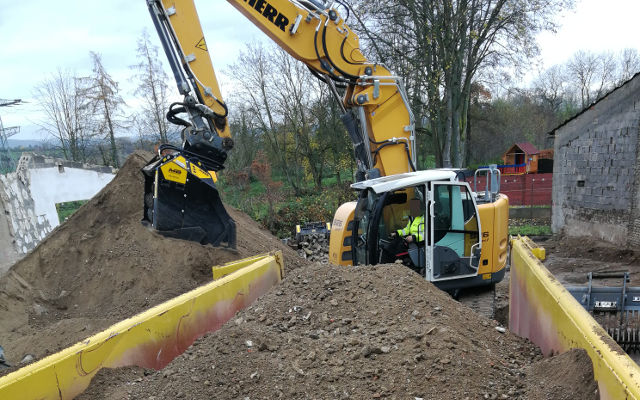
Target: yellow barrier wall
{"points": [[150, 339], [541, 309]]}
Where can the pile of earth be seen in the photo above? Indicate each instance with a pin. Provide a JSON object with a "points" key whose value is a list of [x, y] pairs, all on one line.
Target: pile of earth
{"points": [[103, 265], [361, 332], [570, 259]]}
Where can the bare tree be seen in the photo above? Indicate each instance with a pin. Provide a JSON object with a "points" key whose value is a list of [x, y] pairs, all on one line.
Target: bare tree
{"points": [[629, 60], [103, 92], [256, 78], [297, 120], [152, 89], [68, 112], [449, 42], [552, 87], [246, 136], [295, 96], [593, 74]]}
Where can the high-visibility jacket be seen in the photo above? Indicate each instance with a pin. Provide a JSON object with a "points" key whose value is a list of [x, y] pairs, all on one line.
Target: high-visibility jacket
{"points": [[415, 227]]}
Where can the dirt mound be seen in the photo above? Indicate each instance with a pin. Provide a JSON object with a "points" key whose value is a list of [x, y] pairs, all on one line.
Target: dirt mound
{"points": [[567, 376], [331, 332], [571, 258], [589, 247], [103, 265]]}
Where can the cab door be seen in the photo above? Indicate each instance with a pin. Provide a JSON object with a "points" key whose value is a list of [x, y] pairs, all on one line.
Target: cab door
{"points": [[454, 244]]}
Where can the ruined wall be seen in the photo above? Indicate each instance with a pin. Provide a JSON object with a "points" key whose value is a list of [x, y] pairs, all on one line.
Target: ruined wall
{"points": [[595, 175], [28, 198]]}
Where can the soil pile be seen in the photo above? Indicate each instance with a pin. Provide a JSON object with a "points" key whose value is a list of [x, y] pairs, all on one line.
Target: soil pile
{"points": [[567, 376], [103, 265], [571, 258], [330, 332]]}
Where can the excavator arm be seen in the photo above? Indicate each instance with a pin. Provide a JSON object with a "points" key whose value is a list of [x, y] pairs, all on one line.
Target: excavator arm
{"points": [[376, 113]]}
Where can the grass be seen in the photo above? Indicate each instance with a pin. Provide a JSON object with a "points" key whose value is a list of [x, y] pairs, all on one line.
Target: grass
{"points": [[530, 230], [65, 210]]}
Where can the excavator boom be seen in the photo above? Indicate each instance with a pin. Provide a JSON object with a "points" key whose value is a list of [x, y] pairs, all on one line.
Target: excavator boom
{"points": [[376, 113]]}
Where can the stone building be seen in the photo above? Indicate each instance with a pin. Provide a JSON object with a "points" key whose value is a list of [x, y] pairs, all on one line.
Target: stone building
{"points": [[28, 199], [596, 175]]}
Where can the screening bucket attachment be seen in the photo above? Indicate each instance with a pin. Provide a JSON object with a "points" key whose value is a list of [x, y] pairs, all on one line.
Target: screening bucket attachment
{"points": [[181, 201], [616, 308]]}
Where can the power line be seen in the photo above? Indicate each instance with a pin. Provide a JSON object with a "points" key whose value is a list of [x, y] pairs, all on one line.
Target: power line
{"points": [[7, 163]]}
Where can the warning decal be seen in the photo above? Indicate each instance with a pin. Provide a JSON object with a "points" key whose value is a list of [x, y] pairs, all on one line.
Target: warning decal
{"points": [[202, 45]]}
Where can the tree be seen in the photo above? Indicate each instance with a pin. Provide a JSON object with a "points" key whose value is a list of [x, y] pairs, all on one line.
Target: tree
{"points": [[103, 92], [68, 112], [255, 75], [629, 60], [518, 117], [294, 98], [593, 74], [246, 137], [552, 87], [448, 43], [153, 91], [292, 113]]}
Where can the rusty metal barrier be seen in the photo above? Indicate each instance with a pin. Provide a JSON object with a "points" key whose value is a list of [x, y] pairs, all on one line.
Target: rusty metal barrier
{"points": [[541, 309], [150, 339]]}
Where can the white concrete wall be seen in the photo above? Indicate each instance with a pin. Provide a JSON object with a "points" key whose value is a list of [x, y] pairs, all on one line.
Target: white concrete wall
{"points": [[49, 186], [28, 200]]}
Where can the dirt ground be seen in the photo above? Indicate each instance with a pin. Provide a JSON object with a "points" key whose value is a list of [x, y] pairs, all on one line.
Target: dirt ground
{"points": [[103, 265], [558, 378], [364, 332], [325, 332], [570, 259]]}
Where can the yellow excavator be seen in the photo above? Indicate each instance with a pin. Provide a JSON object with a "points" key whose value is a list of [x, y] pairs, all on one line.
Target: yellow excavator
{"points": [[464, 240]]}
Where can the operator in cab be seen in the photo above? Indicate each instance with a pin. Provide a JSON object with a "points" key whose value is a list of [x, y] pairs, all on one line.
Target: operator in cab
{"points": [[414, 231]]}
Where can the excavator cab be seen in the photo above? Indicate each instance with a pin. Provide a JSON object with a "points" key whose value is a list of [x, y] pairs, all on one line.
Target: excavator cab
{"points": [[450, 249], [454, 246]]}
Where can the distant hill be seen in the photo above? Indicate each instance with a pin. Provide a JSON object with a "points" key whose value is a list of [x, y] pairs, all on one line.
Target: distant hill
{"points": [[14, 143]]}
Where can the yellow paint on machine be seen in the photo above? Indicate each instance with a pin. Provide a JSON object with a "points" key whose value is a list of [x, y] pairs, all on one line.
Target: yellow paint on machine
{"points": [[186, 25], [494, 219], [541, 309], [199, 172], [150, 339], [340, 240], [174, 172]]}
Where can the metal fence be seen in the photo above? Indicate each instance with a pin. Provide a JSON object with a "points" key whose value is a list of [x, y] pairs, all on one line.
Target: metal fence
{"points": [[523, 190]]}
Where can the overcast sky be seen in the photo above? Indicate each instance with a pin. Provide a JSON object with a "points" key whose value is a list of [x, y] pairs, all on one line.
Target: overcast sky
{"points": [[40, 36]]}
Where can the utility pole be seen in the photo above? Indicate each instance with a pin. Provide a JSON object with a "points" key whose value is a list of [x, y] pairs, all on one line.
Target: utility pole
{"points": [[7, 164]]}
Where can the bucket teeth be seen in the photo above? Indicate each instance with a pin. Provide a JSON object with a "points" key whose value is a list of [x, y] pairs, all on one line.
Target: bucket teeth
{"points": [[623, 327]]}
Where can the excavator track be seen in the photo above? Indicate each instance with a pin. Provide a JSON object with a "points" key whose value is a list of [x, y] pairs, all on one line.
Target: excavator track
{"points": [[482, 300]]}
